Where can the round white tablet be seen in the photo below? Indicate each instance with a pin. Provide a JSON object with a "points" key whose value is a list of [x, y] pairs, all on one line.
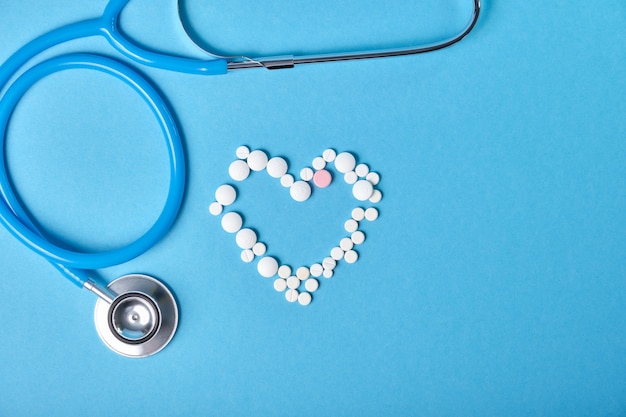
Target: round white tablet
{"points": [[286, 180], [336, 253], [350, 177], [311, 284], [376, 197], [351, 256], [259, 249], [303, 273], [362, 190], [318, 163], [329, 155], [304, 298], [280, 285], [358, 237], [291, 295], [358, 214], [239, 170], [225, 194], [267, 267], [317, 270], [373, 177], [231, 222], [216, 208], [293, 283], [242, 152], [362, 170], [284, 271], [257, 160], [246, 238], [371, 214], [351, 225], [329, 263], [247, 255], [346, 244], [277, 167], [345, 162], [306, 174], [328, 273], [300, 191]]}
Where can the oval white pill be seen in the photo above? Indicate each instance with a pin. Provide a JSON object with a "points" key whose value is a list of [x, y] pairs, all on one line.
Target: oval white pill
{"points": [[259, 249], [231, 222], [225, 194], [242, 152], [376, 197], [328, 273], [247, 255], [329, 155], [287, 180], [216, 208], [267, 267], [300, 191], [373, 177], [345, 162], [284, 271], [371, 214], [257, 160], [317, 270], [358, 214], [318, 163], [304, 298], [351, 225], [239, 170], [350, 177], [306, 174], [362, 170], [277, 167], [362, 190], [291, 295], [246, 238], [280, 285], [311, 284], [329, 263], [293, 283], [358, 237], [346, 244], [351, 256], [336, 253], [303, 273]]}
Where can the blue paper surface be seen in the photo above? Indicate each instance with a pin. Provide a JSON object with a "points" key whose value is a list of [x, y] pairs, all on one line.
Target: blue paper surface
{"points": [[493, 283]]}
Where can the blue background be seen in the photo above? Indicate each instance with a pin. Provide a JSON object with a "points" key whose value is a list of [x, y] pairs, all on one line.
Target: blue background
{"points": [[494, 282]]}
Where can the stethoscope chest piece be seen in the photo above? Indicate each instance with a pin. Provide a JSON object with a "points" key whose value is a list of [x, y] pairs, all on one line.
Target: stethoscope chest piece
{"points": [[140, 320]]}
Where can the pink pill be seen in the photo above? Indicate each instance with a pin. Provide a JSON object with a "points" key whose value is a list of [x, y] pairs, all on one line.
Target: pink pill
{"points": [[322, 178]]}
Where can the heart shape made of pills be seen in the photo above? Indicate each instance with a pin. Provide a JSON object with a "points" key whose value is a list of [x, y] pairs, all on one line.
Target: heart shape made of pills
{"points": [[364, 189]]}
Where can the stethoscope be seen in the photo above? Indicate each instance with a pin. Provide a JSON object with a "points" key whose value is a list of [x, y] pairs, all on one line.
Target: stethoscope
{"points": [[135, 315]]}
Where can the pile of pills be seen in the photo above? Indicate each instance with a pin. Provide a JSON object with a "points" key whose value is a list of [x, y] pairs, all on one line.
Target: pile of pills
{"points": [[299, 285]]}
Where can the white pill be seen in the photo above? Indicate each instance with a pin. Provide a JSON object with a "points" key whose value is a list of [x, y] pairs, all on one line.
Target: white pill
{"points": [[286, 180], [277, 167], [267, 267], [317, 270], [376, 197], [303, 273], [346, 244], [329, 263], [291, 295], [293, 283], [351, 225], [246, 238], [284, 271], [371, 214], [304, 298], [280, 285], [231, 222], [373, 177], [336, 253], [358, 237], [358, 214], [350, 177], [351, 256], [345, 162], [259, 249], [362, 170], [225, 195], [362, 190], [242, 152], [239, 170], [247, 255], [329, 155], [257, 160], [318, 163], [300, 191], [216, 208], [328, 273], [311, 284], [306, 174]]}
